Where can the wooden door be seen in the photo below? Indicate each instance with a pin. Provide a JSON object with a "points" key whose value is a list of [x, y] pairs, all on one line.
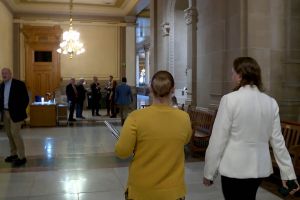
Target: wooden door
{"points": [[42, 66]]}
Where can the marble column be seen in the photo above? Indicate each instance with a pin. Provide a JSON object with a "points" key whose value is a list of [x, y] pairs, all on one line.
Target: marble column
{"points": [[147, 62], [191, 17], [137, 67], [130, 51], [153, 36]]}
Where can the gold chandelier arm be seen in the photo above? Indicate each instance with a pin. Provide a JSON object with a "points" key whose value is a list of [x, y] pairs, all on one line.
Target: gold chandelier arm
{"points": [[71, 12]]}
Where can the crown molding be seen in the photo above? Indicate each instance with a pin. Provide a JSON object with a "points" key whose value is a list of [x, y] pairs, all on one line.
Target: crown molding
{"points": [[21, 8]]}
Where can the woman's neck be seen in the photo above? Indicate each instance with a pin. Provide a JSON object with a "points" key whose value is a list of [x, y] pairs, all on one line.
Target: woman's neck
{"points": [[162, 100]]}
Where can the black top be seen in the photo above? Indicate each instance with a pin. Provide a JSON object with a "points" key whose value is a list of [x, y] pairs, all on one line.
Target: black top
{"points": [[70, 92], [95, 87], [81, 93], [18, 100]]}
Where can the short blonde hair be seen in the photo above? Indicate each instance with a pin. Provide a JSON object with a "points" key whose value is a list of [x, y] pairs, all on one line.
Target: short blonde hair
{"points": [[162, 83]]}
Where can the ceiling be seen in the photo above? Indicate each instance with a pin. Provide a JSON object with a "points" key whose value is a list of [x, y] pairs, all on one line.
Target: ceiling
{"points": [[81, 8], [96, 2]]}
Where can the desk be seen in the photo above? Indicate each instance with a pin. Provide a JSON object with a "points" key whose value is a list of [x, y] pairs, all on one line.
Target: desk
{"points": [[42, 114]]}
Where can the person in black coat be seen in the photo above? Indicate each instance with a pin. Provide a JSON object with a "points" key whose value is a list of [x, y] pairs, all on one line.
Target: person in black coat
{"points": [[96, 96], [72, 95], [112, 100], [13, 103], [81, 97], [108, 88]]}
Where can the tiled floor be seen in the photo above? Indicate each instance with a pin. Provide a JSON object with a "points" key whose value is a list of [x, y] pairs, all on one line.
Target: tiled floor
{"points": [[77, 162]]}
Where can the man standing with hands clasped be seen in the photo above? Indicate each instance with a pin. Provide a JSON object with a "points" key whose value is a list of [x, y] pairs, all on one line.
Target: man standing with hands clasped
{"points": [[13, 103]]}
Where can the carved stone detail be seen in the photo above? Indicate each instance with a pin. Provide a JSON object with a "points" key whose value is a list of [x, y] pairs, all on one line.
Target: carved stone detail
{"points": [[191, 16], [165, 27]]}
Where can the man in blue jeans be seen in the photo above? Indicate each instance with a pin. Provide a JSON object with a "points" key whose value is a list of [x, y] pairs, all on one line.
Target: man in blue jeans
{"points": [[123, 99]]}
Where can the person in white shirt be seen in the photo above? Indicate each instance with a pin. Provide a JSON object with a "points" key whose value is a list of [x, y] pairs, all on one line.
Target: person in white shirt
{"points": [[246, 123]]}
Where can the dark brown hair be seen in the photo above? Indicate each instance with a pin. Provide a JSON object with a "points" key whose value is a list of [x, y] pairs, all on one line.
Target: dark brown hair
{"points": [[249, 71], [162, 83]]}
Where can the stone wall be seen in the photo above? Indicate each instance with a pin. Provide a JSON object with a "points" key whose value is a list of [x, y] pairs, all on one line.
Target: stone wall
{"points": [[263, 29]]}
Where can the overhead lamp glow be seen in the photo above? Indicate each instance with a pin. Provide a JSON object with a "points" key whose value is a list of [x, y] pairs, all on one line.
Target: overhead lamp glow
{"points": [[71, 44]]}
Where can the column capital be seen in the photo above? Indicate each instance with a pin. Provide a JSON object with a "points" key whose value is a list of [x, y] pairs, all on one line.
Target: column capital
{"points": [[147, 46], [191, 15]]}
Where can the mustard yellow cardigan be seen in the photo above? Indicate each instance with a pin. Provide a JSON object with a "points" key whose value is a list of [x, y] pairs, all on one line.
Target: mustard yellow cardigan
{"points": [[156, 136]]}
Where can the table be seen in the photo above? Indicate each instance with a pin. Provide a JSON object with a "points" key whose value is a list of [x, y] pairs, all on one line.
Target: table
{"points": [[42, 114]]}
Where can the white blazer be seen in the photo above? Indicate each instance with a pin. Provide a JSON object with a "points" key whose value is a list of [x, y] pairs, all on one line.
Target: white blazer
{"points": [[246, 122]]}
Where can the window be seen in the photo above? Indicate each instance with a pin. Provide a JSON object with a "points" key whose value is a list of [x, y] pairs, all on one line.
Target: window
{"points": [[43, 56]]}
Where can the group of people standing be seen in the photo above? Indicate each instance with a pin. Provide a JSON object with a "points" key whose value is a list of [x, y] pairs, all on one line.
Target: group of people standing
{"points": [[14, 100], [115, 95], [75, 95]]}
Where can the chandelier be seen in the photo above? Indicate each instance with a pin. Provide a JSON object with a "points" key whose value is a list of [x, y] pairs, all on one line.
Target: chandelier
{"points": [[71, 44]]}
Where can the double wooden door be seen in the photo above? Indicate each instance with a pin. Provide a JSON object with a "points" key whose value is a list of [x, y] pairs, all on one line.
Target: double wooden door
{"points": [[42, 64]]}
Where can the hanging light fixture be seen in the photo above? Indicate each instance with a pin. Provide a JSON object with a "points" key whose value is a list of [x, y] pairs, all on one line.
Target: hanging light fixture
{"points": [[71, 44]]}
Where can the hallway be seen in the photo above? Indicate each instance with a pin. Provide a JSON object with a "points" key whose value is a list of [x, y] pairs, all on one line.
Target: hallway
{"points": [[78, 162]]}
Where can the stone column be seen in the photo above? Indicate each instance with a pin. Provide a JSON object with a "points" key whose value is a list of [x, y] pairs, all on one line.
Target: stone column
{"points": [[153, 36], [137, 68], [147, 61], [130, 51], [191, 18]]}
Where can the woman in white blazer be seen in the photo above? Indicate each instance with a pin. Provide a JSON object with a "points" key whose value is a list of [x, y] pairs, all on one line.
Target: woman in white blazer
{"points": [[246, 123]]}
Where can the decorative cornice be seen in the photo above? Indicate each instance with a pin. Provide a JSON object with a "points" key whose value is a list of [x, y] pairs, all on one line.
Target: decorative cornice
{"points": [[42, 33], [191, 15], [165, 28]]}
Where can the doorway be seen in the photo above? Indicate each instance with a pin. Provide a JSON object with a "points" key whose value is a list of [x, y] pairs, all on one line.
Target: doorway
{"points": [[42, 64]]}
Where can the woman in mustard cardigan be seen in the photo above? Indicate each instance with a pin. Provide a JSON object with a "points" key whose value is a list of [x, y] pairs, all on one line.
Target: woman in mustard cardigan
{"points": [[156, 137]]}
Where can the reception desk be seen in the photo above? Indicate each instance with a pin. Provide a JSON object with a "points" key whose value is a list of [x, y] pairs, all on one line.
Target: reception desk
{"points": [[42, 114]]}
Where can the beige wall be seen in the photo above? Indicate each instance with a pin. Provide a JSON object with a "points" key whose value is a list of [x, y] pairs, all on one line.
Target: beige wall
{"points": [[102, 56], [6, 37]]}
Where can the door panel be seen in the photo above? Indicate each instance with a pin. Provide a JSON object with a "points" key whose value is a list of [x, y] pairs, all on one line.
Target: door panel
{"points": [[43, 76]]}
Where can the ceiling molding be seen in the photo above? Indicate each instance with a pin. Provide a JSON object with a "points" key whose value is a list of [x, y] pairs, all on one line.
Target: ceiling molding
{"points": [[75, 23], [107, 3], [25, 8], [63, 17], [139, 7], [7, 6]]}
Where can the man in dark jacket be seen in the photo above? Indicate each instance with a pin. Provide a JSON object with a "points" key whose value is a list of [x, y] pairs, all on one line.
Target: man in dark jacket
{"points": [[96, 96], [81, 97], [72, 95], [13, 103], [108, 88]]}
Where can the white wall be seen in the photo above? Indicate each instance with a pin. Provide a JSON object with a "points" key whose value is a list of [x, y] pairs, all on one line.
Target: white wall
{"points": [[6, 37]]}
